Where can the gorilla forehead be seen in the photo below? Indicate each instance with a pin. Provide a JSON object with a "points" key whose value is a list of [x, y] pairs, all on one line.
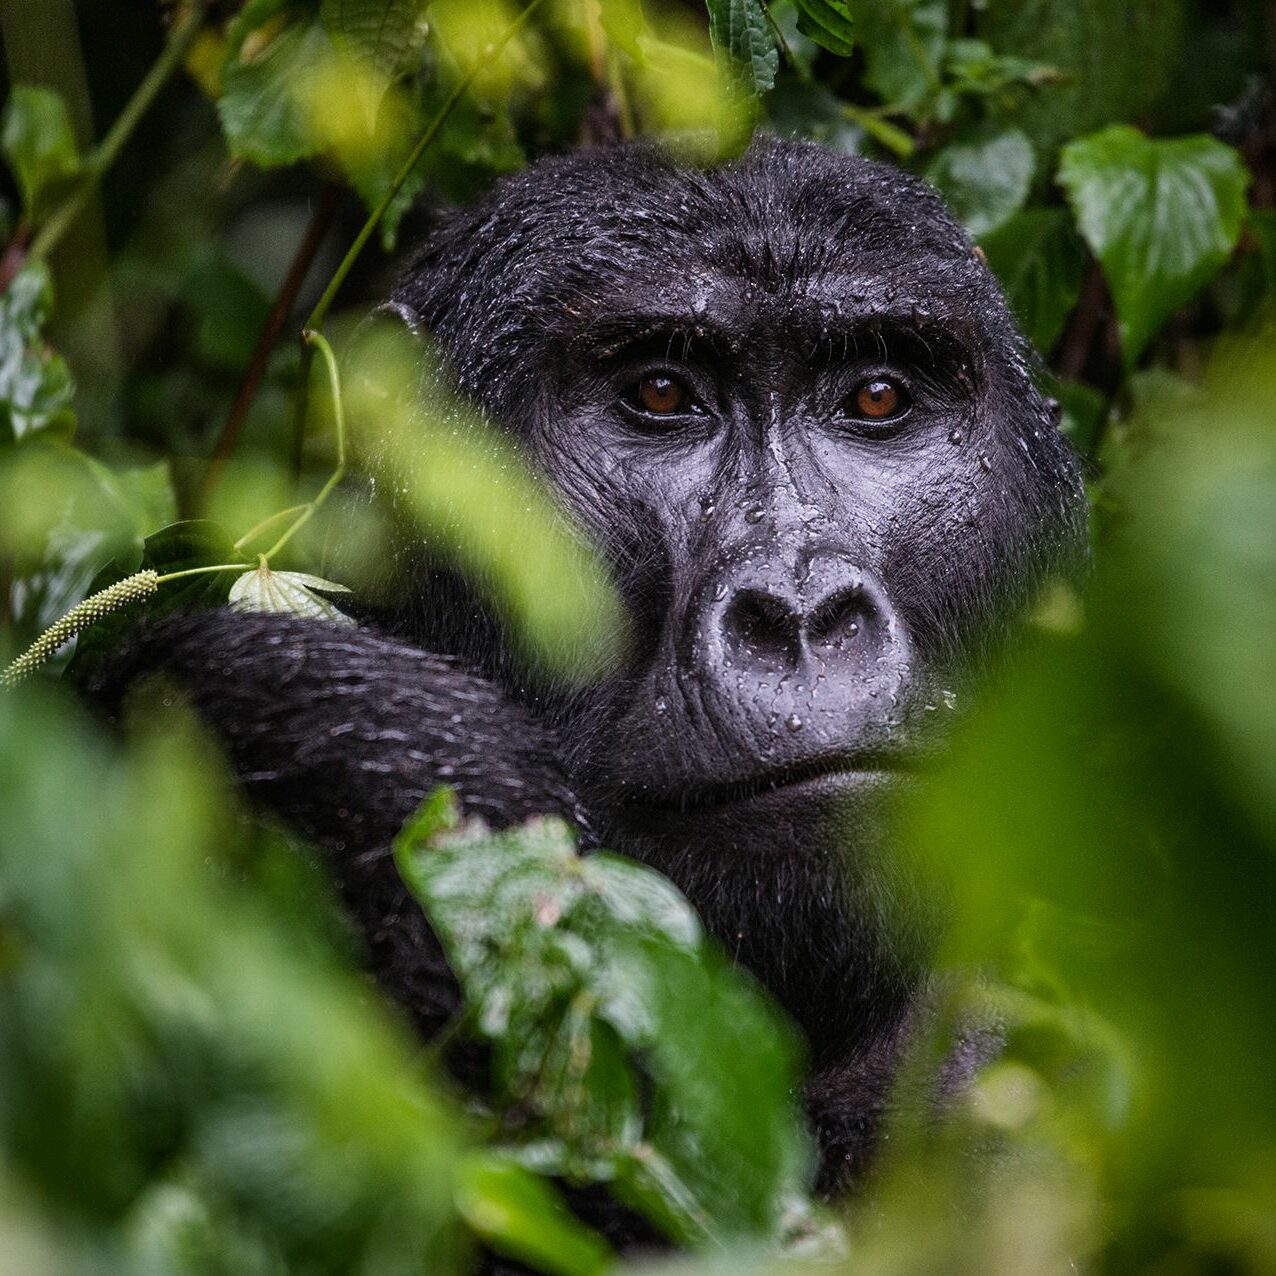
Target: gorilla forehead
{"points": [[789, 231]]}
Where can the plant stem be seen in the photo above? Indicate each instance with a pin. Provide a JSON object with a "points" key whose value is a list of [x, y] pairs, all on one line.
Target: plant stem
{"points": [[203, 571], [318, 341], [98, 160], [269, 337], [249, 536], [324, 304]]}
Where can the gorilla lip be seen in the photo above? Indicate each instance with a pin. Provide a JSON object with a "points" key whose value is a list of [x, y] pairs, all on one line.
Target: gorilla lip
{"points": [[831, 774]]}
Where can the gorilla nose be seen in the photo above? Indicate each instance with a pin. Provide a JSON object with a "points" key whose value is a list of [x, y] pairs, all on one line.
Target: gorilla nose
{"points": [[820, 646], [770, 628]]}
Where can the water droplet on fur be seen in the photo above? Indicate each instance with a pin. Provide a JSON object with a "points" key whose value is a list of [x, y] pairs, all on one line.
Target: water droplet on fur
{"points": [[955, 436], [949, 698], [662, 705], [985, 464], [852, 628], [793, 722], [753, 515], [720, 592]]}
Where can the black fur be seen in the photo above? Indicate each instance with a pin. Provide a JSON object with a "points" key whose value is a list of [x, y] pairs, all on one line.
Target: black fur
{"points": [[805, 592]]}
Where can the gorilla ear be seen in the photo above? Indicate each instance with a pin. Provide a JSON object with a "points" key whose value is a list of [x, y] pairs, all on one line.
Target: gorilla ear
{"points": [[404, 313]]}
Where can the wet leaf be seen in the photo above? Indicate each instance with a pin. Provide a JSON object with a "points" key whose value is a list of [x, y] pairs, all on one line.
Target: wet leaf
{"points": [[287, 593], [383, 33], [828, 23], [36, 390], [1161, 216], [39, 143], [593, 982], [986, 179], [744, 42], [903, 44]]}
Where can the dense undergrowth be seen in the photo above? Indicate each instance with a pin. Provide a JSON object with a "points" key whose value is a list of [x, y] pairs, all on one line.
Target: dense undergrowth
{"points": [[194, 1077]]}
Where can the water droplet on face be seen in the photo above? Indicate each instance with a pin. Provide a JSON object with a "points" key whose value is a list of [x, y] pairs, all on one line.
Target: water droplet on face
{"points": [[720, 592], [985, 464], [955, 436], [753, 515], [852, 628], [793, 722], [662, 705]]}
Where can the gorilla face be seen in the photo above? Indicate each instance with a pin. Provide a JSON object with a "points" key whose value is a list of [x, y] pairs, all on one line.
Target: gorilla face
{"points": [[787, 399]]}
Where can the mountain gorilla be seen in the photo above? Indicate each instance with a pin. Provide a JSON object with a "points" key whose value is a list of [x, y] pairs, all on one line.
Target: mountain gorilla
{"points": [[786, 397]]}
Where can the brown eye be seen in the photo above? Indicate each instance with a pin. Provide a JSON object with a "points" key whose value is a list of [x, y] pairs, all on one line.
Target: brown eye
{"points": [[878, 400], [662, 395]]}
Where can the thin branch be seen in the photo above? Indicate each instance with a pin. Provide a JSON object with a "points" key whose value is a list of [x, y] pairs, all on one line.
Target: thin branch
{"points": [[255, 373]]}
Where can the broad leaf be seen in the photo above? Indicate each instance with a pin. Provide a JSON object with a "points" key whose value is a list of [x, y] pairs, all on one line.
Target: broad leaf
{"points": [[38, 142], [985, 180], [1040, 261], [520, 1216], [744, 42], [383, 33], [828, 23], [635, 1054], [1161, 216], [263, 107], [287, 593], [35, 387], [903, 45]]}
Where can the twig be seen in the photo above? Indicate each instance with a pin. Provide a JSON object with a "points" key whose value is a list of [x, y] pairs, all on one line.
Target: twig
{"points": [[1087, 314], [255, 373], [102, 156]]}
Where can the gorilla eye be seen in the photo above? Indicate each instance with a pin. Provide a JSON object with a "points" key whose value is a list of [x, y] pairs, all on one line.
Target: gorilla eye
{"points": [[878, 400], [659, 394]]}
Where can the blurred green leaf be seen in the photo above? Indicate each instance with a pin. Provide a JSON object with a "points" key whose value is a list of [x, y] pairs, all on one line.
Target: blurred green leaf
{"points": [[903, 43], [39, 144], [384, 33], [829, 23], [986, 179], [163, 1037], [593, 981], [287, 593], [263, 112], [1040, 262], [474, 494], [36, 390], [1161, 216], [520, 1216], [744, 42]]}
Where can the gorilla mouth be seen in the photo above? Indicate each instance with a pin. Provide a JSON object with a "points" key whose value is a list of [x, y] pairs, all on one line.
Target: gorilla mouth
{"points": [[817, 777]]}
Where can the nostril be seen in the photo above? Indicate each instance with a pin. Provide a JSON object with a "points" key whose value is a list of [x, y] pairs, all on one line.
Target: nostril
{"points": [[763, 623], [837, 618]]}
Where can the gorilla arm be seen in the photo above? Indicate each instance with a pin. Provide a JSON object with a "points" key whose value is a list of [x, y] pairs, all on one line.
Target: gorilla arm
{"points": [[342, 734]]}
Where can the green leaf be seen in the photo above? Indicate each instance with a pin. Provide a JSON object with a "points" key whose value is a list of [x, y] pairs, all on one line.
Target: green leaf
{"points": [[39, 143], [1040, 261], [828, 23], [1161, 216], [383, 33], [263, 112], [175, 548], [287, 593], [36, 390], [744, 43], [634, 1054], [903, 44], [985, 180], [520, 1216]]}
